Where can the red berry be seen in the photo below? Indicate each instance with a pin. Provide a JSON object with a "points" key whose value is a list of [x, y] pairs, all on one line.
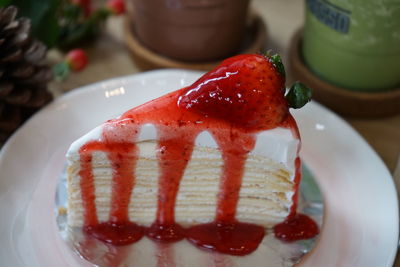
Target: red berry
{"points": [[116, 7], [246, 90], [84, 4], [76, 59]]}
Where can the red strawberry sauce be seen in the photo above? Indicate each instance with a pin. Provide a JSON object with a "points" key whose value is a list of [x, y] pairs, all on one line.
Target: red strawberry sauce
{"points": [[177, 129]]}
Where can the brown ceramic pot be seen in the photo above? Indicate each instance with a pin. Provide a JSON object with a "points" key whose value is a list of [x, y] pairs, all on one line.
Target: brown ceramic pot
{"points": [[191, 30]]}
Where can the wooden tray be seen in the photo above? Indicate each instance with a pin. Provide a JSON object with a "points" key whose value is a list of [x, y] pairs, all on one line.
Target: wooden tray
{"points": [[146, 59], [345, 102]]}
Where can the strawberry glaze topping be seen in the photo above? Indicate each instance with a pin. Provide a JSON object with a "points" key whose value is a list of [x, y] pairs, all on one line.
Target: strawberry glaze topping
{"points": [[235, 101]]}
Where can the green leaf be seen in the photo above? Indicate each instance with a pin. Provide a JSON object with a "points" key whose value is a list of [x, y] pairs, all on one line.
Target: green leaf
{"points": [[77, 31], [61, 71], [43, 15], [277, 62], [72, 35], [99, 15], [72, 12], [298, 95], [4, 3]]}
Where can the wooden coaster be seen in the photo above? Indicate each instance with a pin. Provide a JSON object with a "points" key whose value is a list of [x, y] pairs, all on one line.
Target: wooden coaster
{"points": [[146, 59], [345, 102]]}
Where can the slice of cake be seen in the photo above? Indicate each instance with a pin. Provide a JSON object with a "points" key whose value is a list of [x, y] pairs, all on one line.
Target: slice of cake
{"points": [[215, 162]]}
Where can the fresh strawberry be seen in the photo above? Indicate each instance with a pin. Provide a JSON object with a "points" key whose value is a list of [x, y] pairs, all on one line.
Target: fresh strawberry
{"points": [[245, 90], [85, 5], [117, 7], [76, 59]]}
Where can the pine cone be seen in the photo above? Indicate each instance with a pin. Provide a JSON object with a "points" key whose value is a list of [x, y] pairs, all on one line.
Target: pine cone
{"points": [[23, 74]]}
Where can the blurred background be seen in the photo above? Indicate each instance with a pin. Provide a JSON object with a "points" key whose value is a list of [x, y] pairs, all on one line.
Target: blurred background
{"points": [[321, 43]]}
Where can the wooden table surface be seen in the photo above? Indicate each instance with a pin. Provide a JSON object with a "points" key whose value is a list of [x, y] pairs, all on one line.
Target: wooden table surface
{"points": [[110, 58]]}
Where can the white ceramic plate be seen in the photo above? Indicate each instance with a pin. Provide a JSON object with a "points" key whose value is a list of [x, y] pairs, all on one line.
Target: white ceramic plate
{"points": [[361, 211]]}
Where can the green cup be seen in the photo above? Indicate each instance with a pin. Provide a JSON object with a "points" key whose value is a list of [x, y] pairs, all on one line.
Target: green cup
{"points": [[354, 44]]}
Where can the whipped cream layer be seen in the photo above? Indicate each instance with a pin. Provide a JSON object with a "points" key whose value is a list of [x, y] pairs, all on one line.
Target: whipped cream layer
{"points": [[265, 196]]}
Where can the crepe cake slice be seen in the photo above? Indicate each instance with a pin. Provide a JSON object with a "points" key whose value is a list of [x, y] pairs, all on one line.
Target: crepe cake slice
{"points": [[219, 155]]}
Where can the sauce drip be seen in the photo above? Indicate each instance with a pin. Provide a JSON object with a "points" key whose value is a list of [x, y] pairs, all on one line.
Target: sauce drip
{"points": [[236, 238], [118, 234], [226, 234], [173, 155], [297, 227], [177, 130]]}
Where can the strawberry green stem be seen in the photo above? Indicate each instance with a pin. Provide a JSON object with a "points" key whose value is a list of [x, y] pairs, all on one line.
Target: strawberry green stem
{"points": [[298, 95], [276, 60]]}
